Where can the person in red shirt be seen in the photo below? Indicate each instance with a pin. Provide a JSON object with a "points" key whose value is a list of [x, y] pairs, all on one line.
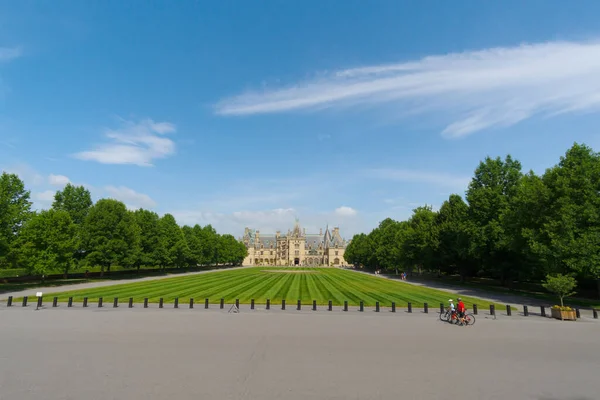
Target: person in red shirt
{"points": [[460, 308]]}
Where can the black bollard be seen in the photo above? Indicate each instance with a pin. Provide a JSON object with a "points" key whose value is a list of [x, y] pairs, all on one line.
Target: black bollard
{"points": [[9, 302], [362, 306], [492, 309], [441, 308], [345, 305], [314, 305], [268, 304], [393, 306], [205, 303], [85, 301], [299, 307], [222, 303], [24, 304], [283, 304], [146, 302], [191, 302], [426, 308], [543, 311], [131, 302], [595, 313], [330, 305], [160, 303], [508, 310], [409, 307], [237, 303], [39, 302], [252, 304], [525, 311], [100, 302], [475, 309], [55, 302], [176, 303], [577, 313], [377, 307], [116, 302]]}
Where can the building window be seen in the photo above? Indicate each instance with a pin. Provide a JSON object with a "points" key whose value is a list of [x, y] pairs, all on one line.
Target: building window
{"points": [[297, 253], [272, 253], [336, 253], [261, 253]]}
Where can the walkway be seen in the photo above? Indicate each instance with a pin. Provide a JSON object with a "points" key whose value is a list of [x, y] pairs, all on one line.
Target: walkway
{"points": [[91, 285]]}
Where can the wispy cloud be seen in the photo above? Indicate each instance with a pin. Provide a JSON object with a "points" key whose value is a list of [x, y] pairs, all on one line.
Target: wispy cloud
{"points": [[10, 53], [406, 175], [475, 90], [132, 199], [137, 143], [58, 180], [345, 211]]}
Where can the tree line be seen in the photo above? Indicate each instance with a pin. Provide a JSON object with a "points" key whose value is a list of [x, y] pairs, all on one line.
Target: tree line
{"points": [[76, 233], [511, 226]]}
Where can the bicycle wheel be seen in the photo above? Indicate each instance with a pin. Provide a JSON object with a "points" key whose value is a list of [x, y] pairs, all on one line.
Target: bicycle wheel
{"points": [[469, 319], [445, 316]]}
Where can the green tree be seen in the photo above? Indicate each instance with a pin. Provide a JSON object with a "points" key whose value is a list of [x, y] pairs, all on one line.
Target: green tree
{"points": [[455, 231], [175, 251], [360, 251], [192, 237], [15, 210], [150, 238], [489, 195], [569, 238], [47, 243], [76, 200], [387, 251], [420, 240], [560, 285], [110, 235]]}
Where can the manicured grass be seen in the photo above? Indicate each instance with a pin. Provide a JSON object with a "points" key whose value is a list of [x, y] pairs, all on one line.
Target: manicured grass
{"points": [[260, 284]]}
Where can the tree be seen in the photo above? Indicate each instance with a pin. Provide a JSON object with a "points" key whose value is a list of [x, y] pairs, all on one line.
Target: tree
{"points": [[560, 285], [420, 240], [174, 247], [455, 231], [494, 184], [568, 240], [47, 243], [76, 200], [150, 238], [15, 210], [110, 235]]}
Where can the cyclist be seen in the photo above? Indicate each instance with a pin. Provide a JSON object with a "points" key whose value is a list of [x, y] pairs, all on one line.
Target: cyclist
{"points": [[461, 310], [452, 310]]}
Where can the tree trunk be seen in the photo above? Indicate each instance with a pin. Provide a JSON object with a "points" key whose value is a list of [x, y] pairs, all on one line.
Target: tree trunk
{"points": [[101, 271], [598, 281]]}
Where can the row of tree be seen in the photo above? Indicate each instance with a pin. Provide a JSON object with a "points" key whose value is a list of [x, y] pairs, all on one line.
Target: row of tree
{"points": [[513, 226], [76, 233]]}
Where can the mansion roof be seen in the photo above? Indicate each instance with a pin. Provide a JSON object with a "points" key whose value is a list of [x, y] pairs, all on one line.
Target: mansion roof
{"points": [[313, 241]]}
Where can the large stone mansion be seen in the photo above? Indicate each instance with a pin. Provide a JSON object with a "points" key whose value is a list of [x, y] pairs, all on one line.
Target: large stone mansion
{"points": [[295, 248]]}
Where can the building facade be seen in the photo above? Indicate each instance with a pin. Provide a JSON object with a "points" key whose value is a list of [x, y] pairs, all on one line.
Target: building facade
{"points": [[296, 248]]}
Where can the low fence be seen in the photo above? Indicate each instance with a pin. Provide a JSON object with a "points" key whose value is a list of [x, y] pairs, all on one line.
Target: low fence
{"points": [[39, 301]]}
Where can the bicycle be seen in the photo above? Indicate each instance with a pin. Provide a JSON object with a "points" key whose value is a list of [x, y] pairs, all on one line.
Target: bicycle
{"points": [[468, 319], [452, 318]]}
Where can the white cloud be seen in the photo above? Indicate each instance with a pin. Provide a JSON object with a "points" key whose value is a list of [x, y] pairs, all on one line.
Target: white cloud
{"points": [[269, 221], [26, 173], [58, 180], [10, 53], [476, 90], [132, 199], [345, 211], [431, 178], [134, 143], [42, 200]]}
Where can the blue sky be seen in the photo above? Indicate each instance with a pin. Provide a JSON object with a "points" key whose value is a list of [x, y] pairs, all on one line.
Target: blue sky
{"points": [[254, 113]]}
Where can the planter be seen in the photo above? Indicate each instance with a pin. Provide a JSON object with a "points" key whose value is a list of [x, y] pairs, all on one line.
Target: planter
{"points": [[564, 315]]}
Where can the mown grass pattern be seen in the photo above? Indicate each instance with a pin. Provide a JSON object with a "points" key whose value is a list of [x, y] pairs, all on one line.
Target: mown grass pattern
{"points": [[320, 284]]}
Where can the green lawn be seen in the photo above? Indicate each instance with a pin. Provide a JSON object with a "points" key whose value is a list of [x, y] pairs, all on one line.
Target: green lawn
{"points": [[261, 283]]}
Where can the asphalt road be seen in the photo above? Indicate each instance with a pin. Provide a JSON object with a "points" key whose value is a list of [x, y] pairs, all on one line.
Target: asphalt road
{"points": [[152, 354]]}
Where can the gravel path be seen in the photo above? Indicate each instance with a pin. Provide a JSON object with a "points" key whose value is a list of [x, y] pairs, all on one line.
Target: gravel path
{"points": [[91, 285]]}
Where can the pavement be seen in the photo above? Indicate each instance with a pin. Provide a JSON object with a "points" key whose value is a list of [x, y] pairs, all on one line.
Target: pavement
{"points": [[150, 354]]}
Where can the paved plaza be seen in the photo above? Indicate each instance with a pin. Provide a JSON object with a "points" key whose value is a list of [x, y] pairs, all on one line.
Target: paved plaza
{"points": [[146, 354]]}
